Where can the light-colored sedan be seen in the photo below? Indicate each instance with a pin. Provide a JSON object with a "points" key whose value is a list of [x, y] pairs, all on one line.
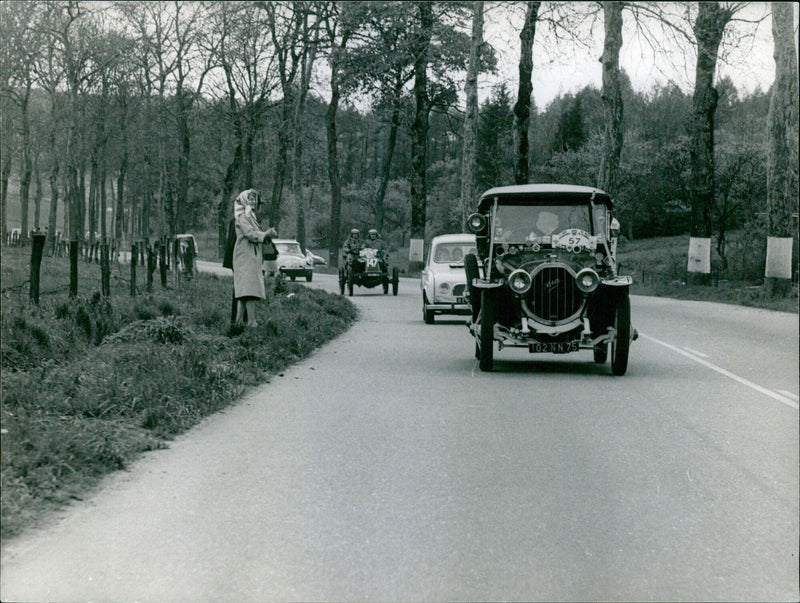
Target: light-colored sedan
{"points": [[444, 281], [291, 261]]}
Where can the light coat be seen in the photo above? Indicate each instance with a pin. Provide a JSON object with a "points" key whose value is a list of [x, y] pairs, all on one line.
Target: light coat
{"points": [[248, 280]]}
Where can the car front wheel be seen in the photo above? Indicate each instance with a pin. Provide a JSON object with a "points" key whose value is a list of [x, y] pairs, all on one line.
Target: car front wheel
{"points": [[395, 281], [426, 314], [622, 339]]}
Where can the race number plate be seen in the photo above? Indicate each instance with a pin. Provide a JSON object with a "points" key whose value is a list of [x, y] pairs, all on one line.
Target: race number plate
{"points": [[554, 347]]}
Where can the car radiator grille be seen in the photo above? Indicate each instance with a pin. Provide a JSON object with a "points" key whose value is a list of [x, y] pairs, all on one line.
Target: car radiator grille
{"points": [[554, 296], [458, 290]]}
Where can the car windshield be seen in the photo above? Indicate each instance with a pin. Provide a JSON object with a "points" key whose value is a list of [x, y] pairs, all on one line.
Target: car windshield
{"points": [[520, 223], [452, 253], [288, 248]]}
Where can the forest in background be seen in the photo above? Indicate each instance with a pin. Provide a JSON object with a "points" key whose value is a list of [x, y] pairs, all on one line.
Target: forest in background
{"points": [[147, 118]]}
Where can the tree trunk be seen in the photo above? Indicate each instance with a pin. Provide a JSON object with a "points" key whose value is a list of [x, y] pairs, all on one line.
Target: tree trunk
{"points": [[470, 149], [612, 98], [53, 215], [522, 108], [708, 30], [26, 167], [782, 158], [333, 170], [419, 129], [281, 167], [386, 163], [37, 196]]}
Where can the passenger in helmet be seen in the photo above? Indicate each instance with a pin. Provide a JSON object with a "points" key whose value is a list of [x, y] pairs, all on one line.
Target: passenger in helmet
{"points": [[352, 246]]}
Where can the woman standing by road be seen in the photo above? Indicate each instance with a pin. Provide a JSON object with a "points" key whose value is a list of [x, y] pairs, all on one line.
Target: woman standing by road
{"points": [[248, 280]]}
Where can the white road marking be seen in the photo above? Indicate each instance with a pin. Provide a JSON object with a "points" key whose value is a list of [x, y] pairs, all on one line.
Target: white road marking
{"points": [[695, 352], [774, 395], [789, 395]]}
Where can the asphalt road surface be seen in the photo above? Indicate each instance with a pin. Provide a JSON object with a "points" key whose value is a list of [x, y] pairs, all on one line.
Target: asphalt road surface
{"points": [[387, 467]]}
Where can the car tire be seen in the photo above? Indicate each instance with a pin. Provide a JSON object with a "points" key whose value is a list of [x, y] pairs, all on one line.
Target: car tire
{"points": [[309, 276], [427, 315], [395, 281], [385, 284], [487, 331], [341, 281], [622, 339], [471, 269], [292, 277], [601, 353]]}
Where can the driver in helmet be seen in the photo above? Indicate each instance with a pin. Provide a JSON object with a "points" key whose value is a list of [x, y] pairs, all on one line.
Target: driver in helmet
{"points": [[352, 246], [375, 241]]}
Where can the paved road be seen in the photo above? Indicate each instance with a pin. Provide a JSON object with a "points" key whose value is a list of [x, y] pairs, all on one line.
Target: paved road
{"points": [[388, 467]]}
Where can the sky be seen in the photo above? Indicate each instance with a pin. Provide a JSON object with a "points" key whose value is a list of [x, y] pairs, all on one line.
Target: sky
{"points": [[750, 64]]}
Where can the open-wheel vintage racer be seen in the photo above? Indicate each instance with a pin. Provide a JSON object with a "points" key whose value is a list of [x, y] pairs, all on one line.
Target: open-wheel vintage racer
{"points": [[368, 269], [550, 279]]}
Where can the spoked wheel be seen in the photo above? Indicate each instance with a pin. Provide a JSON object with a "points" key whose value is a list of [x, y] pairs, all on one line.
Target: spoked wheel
{"points": [[341, 281], [471, 269], [622, 340], [427, 315], [385, 283], [395, 281], [487, 331]]}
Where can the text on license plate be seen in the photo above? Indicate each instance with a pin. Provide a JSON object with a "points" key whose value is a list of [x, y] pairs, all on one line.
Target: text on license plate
{"points": [[461, 300], [556, 347]]}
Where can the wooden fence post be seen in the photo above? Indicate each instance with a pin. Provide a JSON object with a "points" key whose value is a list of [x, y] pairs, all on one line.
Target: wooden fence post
{"points": [[134, 258], [151, 266], [36, 265], [105, 271], [162, 262], [73, 269]]}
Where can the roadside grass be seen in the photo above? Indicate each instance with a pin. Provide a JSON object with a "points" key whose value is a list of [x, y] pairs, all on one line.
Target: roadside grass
{"points": [[91, 383], [658, 267]]}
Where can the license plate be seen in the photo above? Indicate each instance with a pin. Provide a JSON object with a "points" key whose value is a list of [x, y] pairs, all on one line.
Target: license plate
{"points": [[461, 300], [554, 347]]}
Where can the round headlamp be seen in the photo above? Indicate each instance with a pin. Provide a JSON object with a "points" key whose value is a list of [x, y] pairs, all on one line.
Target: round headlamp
{"points": [[519, 281], [444, 287], [587, 280], [476, 223]]}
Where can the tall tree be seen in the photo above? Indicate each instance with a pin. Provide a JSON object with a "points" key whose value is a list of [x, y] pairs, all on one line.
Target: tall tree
{"points": [[469, 155], [782, 158], [708, 28], [612, 98], [338, 34], [522, 108], [287, 24], [419, 137]]}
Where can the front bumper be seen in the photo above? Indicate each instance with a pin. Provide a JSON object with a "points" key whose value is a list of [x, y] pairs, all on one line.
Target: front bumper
{"points": [[295, 271], [451, 307]]}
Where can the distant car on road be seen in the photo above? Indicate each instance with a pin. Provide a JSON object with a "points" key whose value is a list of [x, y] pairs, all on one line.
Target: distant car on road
{"points": [[443, 281], [315, 259], [291, 261]]}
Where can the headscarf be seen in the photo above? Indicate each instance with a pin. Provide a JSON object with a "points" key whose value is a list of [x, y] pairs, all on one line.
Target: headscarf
{"points": [[240, 206]]}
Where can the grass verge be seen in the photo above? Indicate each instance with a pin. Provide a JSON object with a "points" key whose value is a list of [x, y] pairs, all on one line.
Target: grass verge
{"points": [[89, 384]]}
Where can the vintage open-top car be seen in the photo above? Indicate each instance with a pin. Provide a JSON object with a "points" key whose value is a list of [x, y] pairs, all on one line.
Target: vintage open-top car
{"points": [[370, 268], [550, 281]]}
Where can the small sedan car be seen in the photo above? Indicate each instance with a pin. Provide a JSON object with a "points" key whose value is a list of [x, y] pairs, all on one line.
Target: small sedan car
{"points": [[291, 261], [444, 282]]}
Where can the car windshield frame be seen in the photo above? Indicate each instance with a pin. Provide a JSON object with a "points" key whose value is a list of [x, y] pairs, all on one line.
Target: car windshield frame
{"points": [[452, 252], [521, 222], [289, 249]]}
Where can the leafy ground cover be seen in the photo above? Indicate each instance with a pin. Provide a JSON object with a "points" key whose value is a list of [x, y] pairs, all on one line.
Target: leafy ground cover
{"points": [[89, 384]]}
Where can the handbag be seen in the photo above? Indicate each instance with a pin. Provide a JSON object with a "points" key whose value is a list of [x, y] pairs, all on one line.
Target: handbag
{"points": [[269, 252]]}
